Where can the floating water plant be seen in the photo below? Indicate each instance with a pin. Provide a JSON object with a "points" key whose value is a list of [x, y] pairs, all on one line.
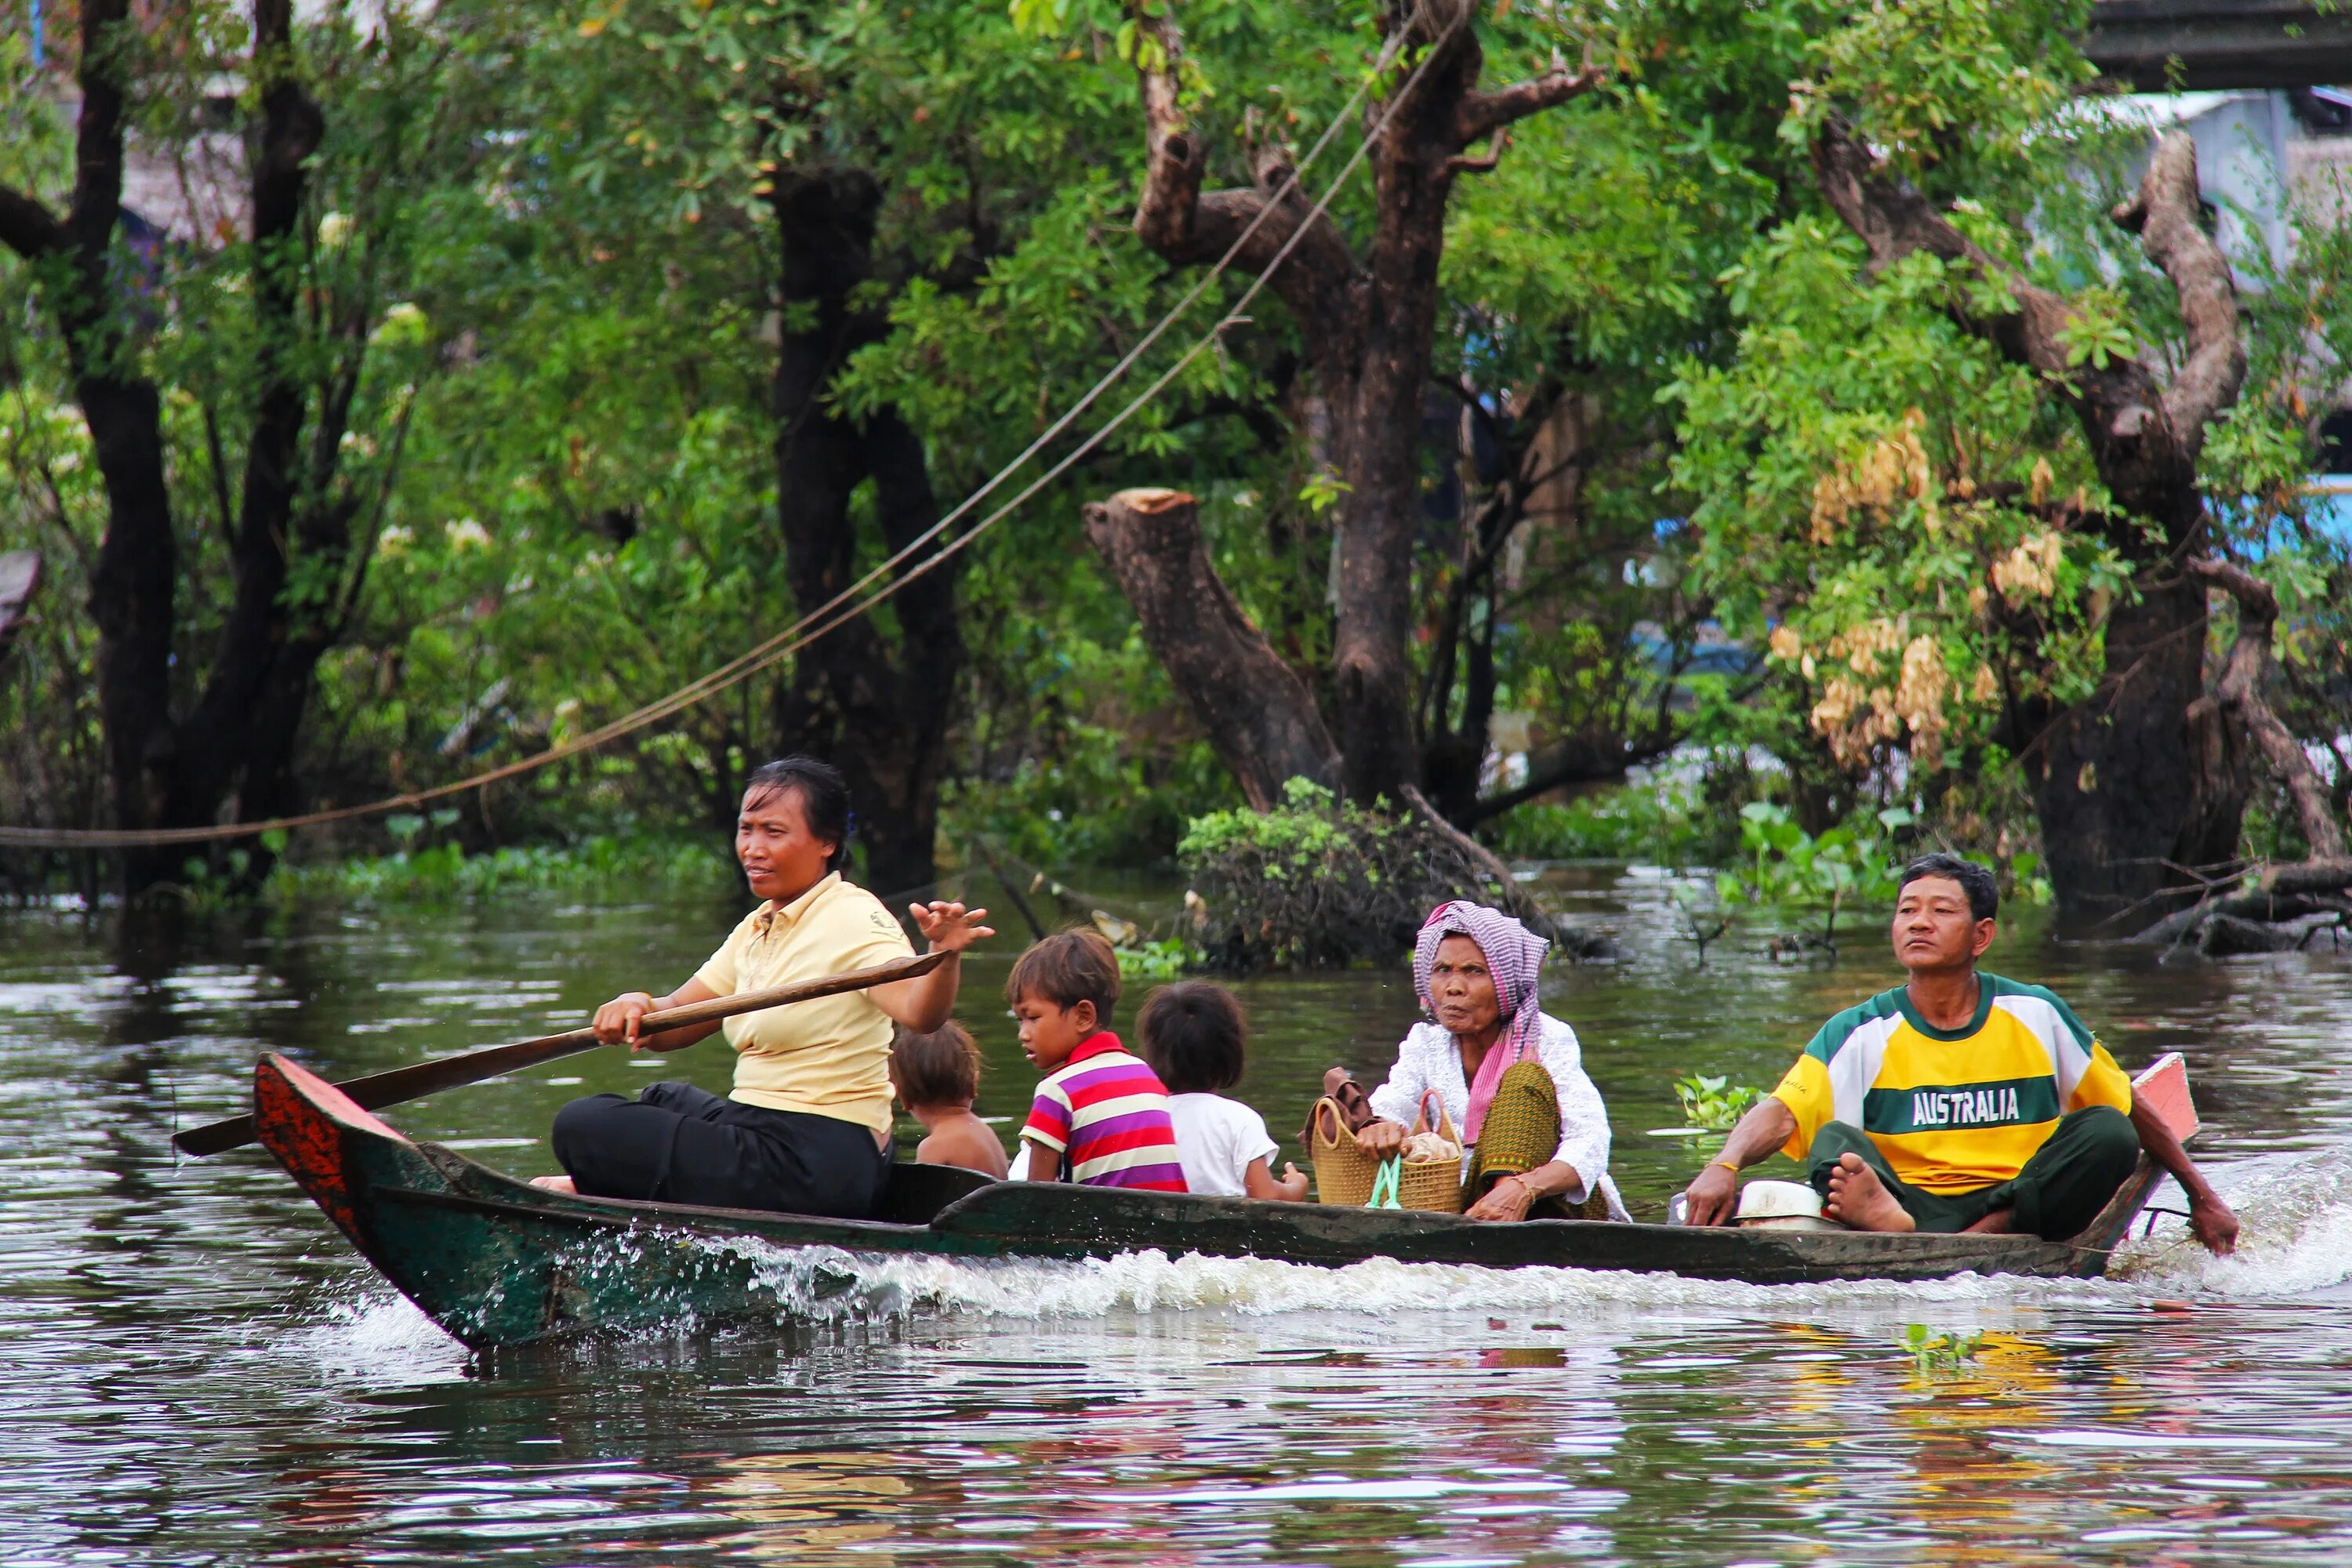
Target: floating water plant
{"points": [[1936, 1354], [1714, 1104]]}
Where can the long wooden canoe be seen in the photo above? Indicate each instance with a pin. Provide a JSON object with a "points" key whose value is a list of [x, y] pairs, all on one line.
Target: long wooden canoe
{"points": [[496, 1261]]}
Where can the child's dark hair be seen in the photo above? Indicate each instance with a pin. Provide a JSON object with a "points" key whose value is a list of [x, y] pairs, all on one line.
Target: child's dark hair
{"points": [[942, 1068], [1193, 1033], [824, 798], [1065, 969]]}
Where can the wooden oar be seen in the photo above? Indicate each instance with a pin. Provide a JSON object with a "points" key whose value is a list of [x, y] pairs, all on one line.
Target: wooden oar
{"points": [[421, 1078]]}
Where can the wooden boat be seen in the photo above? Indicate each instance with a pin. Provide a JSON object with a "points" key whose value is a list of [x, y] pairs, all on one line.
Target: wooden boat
{"points": [[496, 1261]]}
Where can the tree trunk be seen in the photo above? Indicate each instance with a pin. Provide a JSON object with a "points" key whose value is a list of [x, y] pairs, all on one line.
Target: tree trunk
{"points": [[2146, 776], [877, 712], [238, 740], [2240, 699], [1365, 322], [1255, 710], [132, 587], [2143, 780]]}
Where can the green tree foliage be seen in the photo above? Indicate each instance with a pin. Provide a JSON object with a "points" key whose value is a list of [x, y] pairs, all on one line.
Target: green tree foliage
{"points": [[209, 400], [540, 271], [1910, 520]]}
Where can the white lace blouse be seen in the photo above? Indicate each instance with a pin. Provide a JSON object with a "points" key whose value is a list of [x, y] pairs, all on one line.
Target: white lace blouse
{"points": [[1428, 1058]]}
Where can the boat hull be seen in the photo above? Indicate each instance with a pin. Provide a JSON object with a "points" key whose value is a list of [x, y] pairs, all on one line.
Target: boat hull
{"points": [[499, 1262]]}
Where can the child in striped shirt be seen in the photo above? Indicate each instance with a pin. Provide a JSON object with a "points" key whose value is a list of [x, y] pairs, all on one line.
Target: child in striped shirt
{"points": [[1101, 1114]]}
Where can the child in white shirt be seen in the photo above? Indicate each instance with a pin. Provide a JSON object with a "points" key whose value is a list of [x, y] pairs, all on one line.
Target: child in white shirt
{"points": [[1192, 1036]]}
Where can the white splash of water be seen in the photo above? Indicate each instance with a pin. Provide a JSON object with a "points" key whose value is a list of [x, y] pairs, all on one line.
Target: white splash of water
{"points": [[2296, 1236], [2295, 1213], [825, 1284], [377, 1335]]}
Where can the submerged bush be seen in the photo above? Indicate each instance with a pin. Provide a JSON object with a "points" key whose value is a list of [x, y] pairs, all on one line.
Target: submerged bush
{"points": [[1319, 882], [1661, 822], [628, 865]]}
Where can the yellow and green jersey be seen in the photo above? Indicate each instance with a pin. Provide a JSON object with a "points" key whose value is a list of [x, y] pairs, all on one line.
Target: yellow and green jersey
{"points": [[1952, 1110]]}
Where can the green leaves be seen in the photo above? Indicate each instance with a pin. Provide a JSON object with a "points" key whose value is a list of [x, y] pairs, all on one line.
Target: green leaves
{"points": [[1953, 92], [1708, 1105], [1321, 491], [1881, 502], [2095, 331], [1935, 1354], [1787, 866]]}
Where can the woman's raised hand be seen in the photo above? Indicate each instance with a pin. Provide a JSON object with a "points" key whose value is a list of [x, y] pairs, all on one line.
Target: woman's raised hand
{"points": [[1381, 1139], [949, 927], [616, 1021]]}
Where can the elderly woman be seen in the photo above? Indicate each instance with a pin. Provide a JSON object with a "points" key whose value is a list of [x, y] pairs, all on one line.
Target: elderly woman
{"points": [[807, 1130], [1511, 1075]]}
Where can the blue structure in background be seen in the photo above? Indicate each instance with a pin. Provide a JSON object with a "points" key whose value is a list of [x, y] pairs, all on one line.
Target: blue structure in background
{"points": [[2329, 515]]}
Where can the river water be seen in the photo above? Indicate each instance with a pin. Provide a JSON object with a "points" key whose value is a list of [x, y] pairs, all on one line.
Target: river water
{"points": [[194, 1368]]}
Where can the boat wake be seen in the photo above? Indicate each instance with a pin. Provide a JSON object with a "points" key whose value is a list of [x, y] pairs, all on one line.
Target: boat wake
{"points": [[2296, 1214], [824, 1283], [2295, 1210]]}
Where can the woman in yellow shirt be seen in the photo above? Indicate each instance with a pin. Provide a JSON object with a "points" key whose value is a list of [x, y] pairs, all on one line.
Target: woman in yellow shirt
{"points": [[807, 1130]]}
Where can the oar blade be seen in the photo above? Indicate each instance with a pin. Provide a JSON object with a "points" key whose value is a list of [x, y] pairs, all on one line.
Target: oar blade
{"points": [[217, 1137]]}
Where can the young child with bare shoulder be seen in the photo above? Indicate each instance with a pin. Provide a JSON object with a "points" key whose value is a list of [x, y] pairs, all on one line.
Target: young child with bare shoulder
{"points": [[936, 1077]]}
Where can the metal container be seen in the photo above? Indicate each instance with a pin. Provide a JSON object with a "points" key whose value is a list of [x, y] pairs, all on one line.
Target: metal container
{"points": [[1781, 1205]]}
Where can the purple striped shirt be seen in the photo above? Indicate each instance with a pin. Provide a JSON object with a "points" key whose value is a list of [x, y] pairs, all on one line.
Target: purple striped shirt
{"points": [[1105, 1113]]}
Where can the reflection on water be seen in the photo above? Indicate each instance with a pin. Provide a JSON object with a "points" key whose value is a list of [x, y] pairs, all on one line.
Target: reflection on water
{"points": [[193, 1368]]}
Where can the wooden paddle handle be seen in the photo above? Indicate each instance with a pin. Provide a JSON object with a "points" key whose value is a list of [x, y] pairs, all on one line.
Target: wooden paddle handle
{"points": [[413, 1083]]}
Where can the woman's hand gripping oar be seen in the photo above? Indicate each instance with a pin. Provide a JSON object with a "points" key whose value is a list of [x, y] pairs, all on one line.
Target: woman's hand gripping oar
{"points": [[414, 1082]]}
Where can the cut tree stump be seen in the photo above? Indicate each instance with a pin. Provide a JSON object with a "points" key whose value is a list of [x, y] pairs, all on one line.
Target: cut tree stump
{"points": [[1254, 709]]}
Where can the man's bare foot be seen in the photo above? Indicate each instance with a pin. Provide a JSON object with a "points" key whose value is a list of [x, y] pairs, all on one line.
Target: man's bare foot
{"points": [[1858, 1198], [2001, 1222], [556, 1184]]}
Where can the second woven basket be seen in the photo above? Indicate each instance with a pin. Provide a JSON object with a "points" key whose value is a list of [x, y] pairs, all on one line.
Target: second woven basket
{"points": [[1343, 1173]]}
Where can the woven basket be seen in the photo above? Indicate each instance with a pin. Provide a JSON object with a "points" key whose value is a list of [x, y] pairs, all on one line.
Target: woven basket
{"points": [[1432, 1185], [1343, 1173]]}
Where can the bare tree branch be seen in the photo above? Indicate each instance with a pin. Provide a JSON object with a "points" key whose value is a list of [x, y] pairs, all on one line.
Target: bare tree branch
{"points": [[2145, 453], [1256, 712], [1576, 760], [1463, 163], [1186, 228], [1897, 222], [1576, 942], [2240, 694], [1481, 114], [29, 228], [2165, 217]]}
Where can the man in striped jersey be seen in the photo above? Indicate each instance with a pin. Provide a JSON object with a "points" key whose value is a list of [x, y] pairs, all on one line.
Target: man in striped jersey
{"points": [[1959, 1100]]}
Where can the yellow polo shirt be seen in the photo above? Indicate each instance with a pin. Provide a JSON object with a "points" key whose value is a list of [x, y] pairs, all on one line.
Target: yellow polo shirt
{"points": [[827, 1058]]}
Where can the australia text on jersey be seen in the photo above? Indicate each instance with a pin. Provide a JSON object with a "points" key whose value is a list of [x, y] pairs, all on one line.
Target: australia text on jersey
{"points": [[1964, 1107]]}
